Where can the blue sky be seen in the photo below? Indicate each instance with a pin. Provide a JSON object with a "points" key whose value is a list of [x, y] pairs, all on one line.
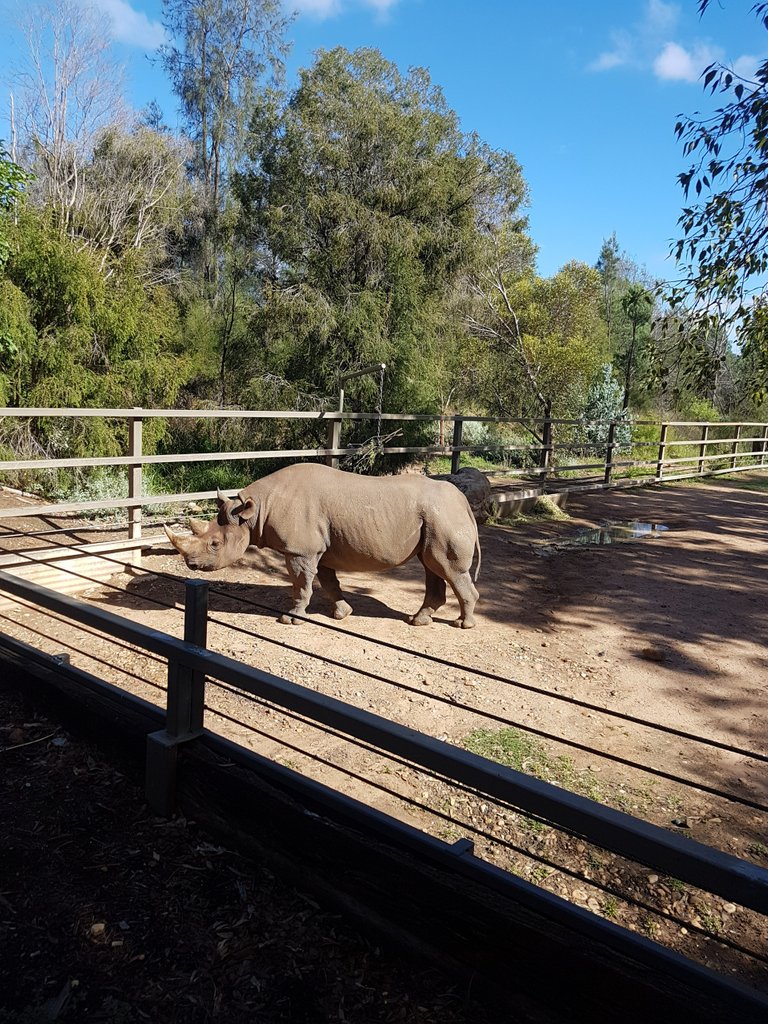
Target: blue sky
{"points": [[585, 94]]}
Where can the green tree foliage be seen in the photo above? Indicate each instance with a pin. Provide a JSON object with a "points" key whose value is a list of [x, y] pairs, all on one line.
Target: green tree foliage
{"points": [[724, 243], [136, 199], [80, 338], [361, 201], [545, 338]]}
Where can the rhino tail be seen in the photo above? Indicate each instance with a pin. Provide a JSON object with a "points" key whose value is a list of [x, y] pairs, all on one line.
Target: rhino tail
{"points": [[478, 552]]}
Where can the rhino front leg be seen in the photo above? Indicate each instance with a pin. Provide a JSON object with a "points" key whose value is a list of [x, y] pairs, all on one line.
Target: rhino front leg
{"points": [[302, 571], [434, 598], [330, 584]]}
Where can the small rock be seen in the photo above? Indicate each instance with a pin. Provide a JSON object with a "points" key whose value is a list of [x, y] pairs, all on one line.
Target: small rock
{"points": [[729, 908], [653, 879], [653, 654], [97, 930]]}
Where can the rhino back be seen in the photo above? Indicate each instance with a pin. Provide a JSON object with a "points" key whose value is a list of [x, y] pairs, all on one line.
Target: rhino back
{"points": [[361, 523]]}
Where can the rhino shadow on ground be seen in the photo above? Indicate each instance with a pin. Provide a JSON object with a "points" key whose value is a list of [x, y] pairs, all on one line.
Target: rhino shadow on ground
{"points": [[261, 592]]}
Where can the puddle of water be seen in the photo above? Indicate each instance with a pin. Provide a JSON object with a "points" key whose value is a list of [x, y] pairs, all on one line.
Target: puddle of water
{"points": [[608, 533]]}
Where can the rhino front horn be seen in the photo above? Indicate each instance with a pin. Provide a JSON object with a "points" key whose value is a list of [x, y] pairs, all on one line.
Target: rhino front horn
{"points": [[178, 542]]}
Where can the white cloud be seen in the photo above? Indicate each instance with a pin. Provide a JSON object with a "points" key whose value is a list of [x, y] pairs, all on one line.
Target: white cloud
{"points": [[317, 8], [131, 26], [676, 64], [746, 66], [634, 46], [661, 17], [322, 9]]}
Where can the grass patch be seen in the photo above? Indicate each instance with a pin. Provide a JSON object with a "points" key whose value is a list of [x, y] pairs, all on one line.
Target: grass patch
{"points": [[544, 509], [517, 749]]}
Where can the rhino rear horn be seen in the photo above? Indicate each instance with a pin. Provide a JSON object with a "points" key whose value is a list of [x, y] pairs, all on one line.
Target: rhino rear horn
{"points": [[197, 526]]}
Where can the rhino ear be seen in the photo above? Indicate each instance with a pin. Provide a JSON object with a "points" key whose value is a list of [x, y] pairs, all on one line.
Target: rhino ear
{"points": [[246, 511]]}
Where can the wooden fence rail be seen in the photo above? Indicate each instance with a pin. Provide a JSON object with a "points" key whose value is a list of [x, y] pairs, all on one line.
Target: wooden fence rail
{"points": [[543, 462]]}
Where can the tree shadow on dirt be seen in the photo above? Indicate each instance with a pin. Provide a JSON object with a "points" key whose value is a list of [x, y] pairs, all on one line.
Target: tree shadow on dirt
{"points": [[688, 600]]}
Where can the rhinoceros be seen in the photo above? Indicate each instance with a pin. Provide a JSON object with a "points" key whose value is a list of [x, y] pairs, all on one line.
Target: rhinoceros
{"points": [[322, 520]]}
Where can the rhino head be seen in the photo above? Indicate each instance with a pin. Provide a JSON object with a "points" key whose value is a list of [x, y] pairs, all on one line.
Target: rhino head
{"points": [[221, 542]]}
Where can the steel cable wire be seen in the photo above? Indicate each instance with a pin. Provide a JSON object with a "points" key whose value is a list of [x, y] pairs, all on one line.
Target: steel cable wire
{"points": [[92, 657], [501, 720], [435, 812], [479, 672], [423, 655]]}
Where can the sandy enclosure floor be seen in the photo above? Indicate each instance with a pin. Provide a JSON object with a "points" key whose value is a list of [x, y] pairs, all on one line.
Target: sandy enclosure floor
{"points": [[670, 630]]}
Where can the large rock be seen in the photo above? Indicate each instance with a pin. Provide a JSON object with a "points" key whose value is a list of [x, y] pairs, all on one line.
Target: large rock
{"points": [[476, 486]]}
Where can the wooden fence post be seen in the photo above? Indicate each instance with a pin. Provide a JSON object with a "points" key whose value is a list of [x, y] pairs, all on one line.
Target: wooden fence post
{"points": [[703, 448], [135, 442], [735, 449], [609, 453], [662, 451], [545, 458], [332, 441], [184, 709], [458, 430]]}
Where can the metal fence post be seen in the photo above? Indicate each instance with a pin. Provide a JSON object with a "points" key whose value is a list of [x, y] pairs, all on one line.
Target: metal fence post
{"points": [[609, 453], [662, 451], [703, 448], [185, 707], [332, 441], [458, 430], [765, 441], [735, 449], [135, 442]]}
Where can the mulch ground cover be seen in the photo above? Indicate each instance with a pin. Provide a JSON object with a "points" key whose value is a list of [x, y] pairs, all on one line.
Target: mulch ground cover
{"points": [[110, 914]]}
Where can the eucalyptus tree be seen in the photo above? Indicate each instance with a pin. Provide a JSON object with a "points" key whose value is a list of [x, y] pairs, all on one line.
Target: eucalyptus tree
{"points": [[219, 57], [69, 88], [724, 245]]}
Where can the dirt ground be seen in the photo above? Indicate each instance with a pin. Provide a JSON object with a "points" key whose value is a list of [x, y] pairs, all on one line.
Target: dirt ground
{"points": [[670, 630]]}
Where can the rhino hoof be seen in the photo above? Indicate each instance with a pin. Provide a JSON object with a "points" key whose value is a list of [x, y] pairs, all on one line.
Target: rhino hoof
{"points": [[287, 620], [421, 618], [464, 623], [342, 610]]}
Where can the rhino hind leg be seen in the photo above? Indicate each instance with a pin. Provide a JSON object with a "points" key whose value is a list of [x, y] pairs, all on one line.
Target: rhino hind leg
{"points": [[467, 595], [330, 584], [434, 598], [460, 581], [302, 571]]}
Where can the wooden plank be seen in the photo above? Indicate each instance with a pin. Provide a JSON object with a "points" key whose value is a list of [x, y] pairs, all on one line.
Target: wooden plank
{"points": [[70, 569]]}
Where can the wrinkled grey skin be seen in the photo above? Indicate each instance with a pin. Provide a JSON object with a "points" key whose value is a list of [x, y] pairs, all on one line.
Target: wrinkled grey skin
{"points": [[322, 519]]}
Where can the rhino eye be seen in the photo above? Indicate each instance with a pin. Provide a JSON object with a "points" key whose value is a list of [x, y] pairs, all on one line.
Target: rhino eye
{"points": [[215, 543]]}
